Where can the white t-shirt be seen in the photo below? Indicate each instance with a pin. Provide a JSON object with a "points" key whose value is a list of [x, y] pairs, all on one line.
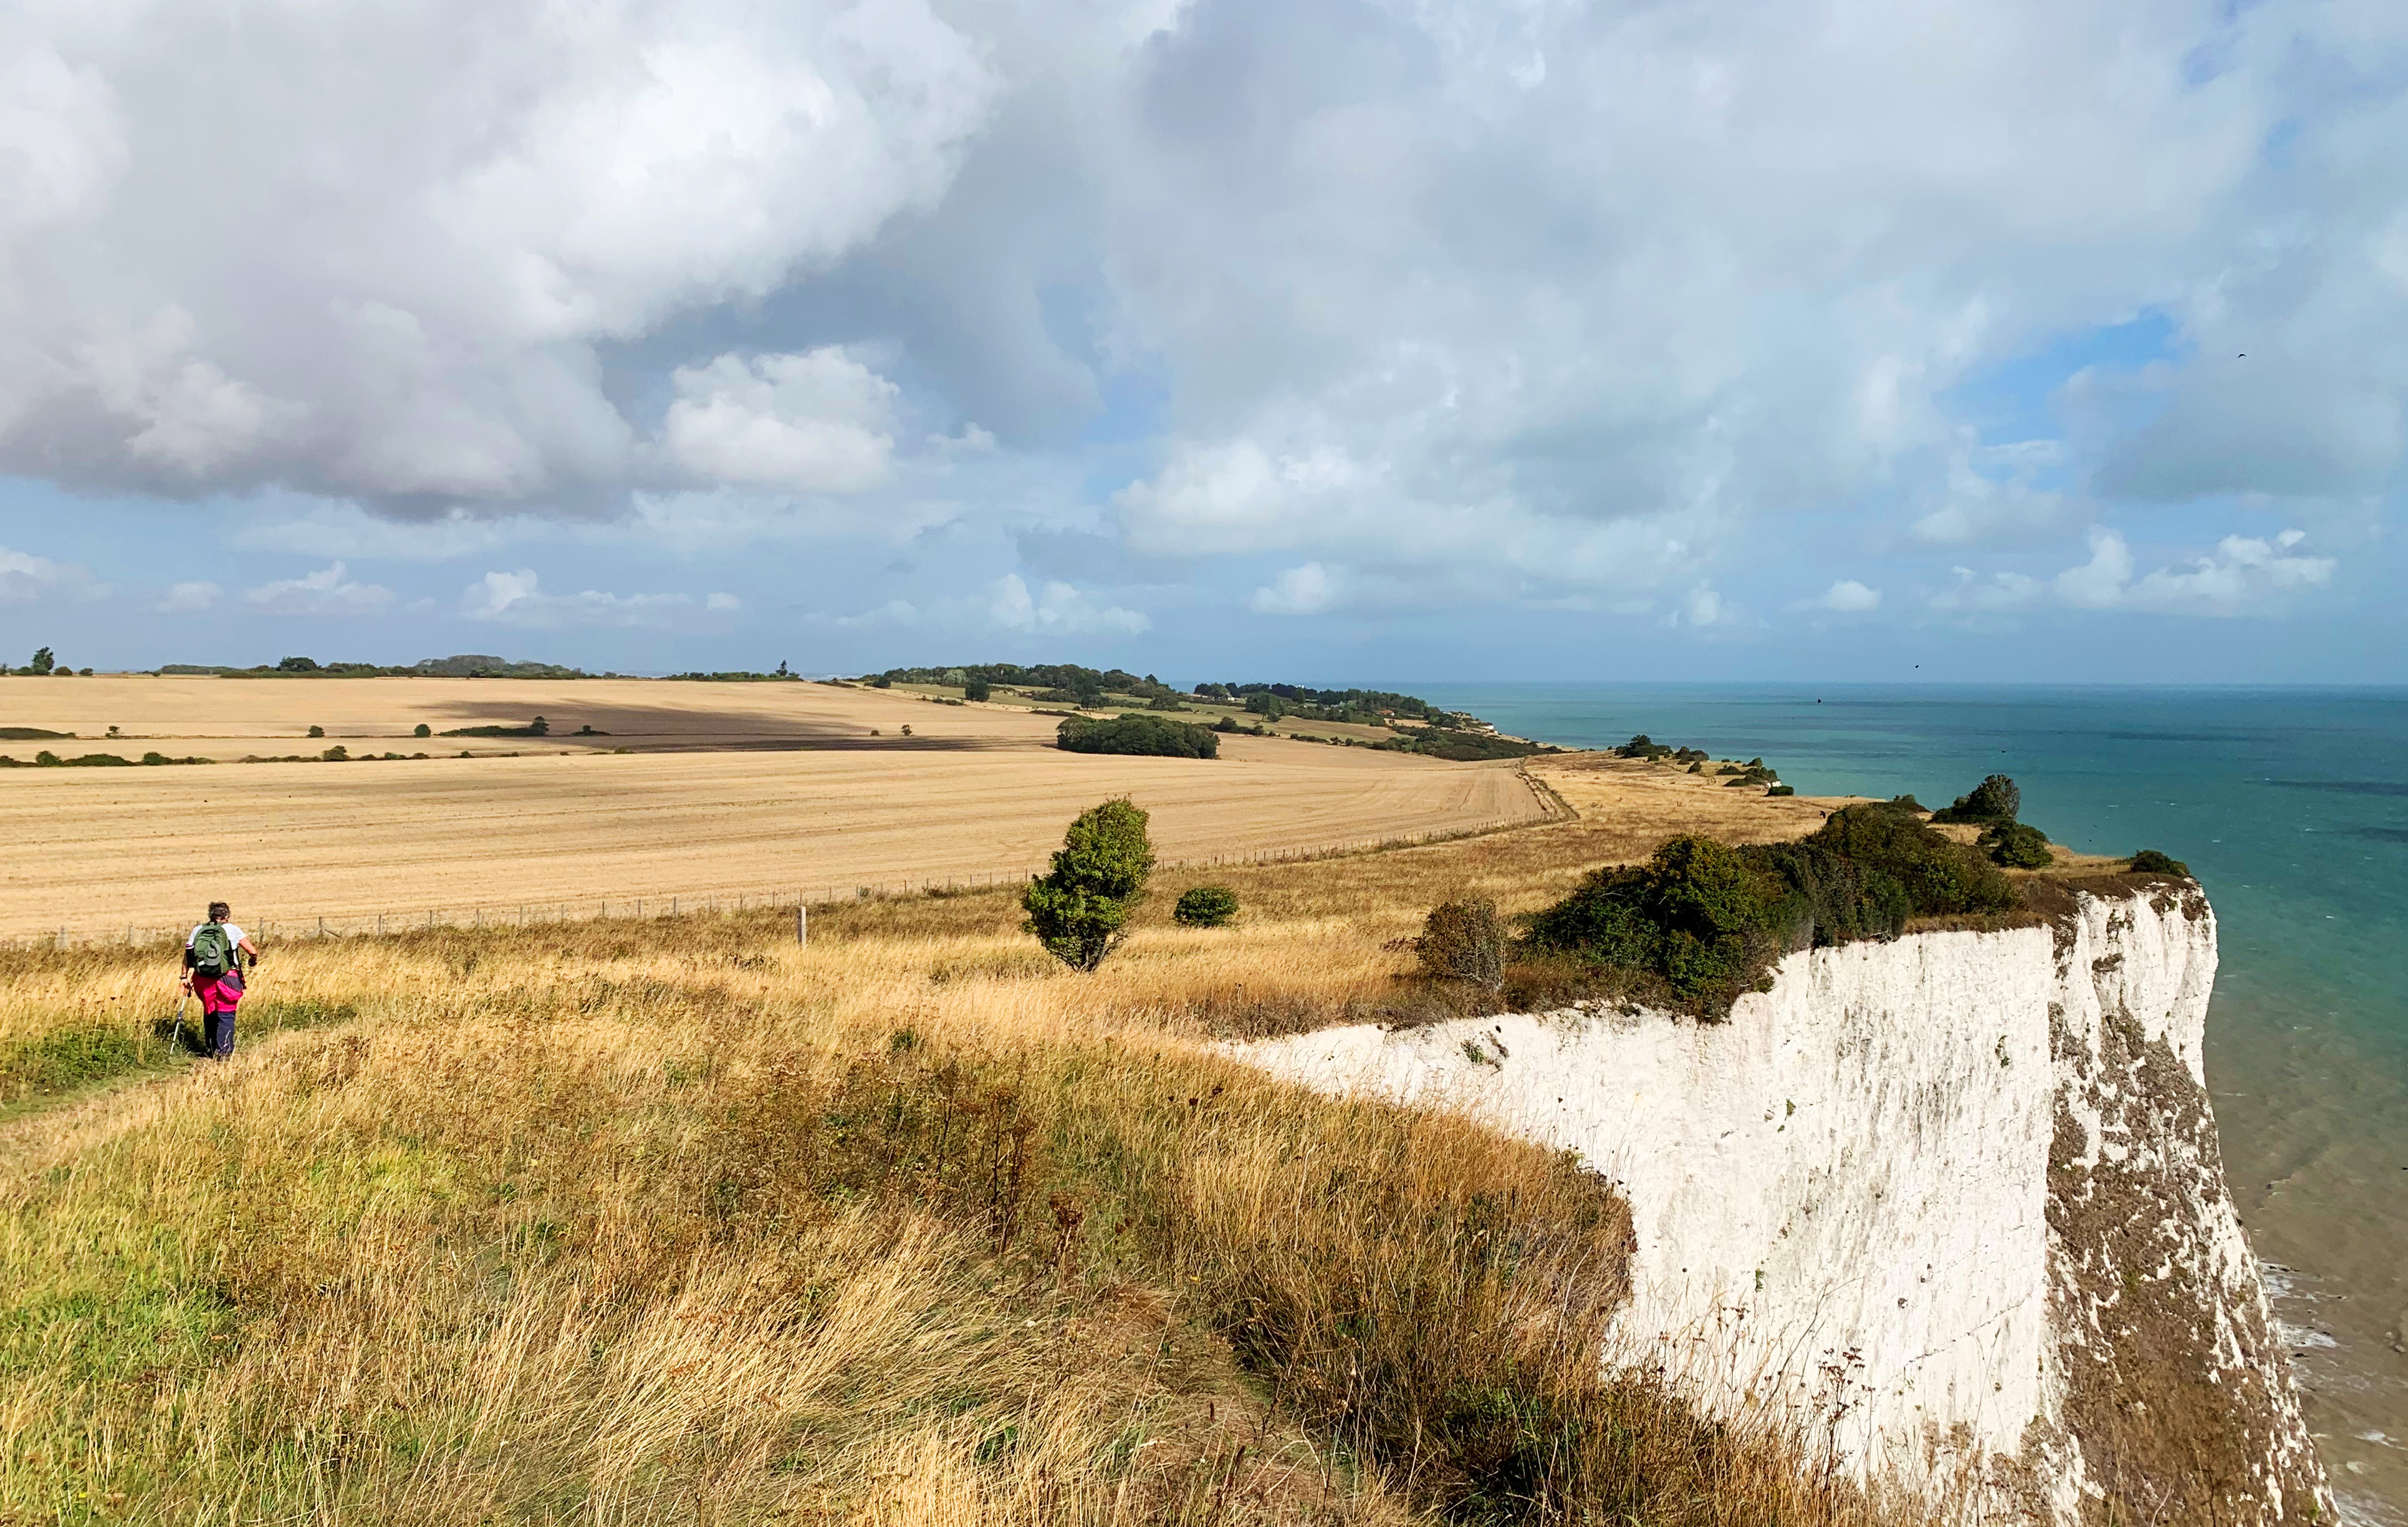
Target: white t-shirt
{"points": [[234, 934]]}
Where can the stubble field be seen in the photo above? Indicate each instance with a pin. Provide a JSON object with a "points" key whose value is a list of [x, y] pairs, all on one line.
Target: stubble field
{"points": [[750, 790]]}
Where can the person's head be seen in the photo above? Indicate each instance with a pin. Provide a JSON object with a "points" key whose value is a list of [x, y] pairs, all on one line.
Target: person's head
{"points": [[220, 912]]}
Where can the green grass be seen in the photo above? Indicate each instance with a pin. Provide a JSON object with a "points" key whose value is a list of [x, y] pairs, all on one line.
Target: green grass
{"points": [[67, 1060]]}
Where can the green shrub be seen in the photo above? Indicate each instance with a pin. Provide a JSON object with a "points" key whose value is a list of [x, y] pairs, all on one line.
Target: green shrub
{"points": [[1163, 702], [338, 754], [1906, 803], [1781, 790], [1995, 800], [2017, 846], [1942, 878], [1079, 909], [316, 732], [2148, 861], [1206, 906], [1709, 920], [1462, 940], [1695, 915], [1828, 898], [421, 729], [1464, 746], [978, 689], [1147, 736]]}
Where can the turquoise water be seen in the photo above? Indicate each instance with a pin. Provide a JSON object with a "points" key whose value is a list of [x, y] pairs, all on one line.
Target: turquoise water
{"points": [[2291, 807]]}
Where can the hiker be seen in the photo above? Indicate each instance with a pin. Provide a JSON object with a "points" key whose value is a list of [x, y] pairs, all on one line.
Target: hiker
{"points": [[213, 972]]}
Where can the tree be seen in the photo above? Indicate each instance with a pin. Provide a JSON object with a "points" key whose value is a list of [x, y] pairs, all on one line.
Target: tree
{"points": [[976, 689], [1079, 909], [297, 665], [539, 727], [421, 729], [1995, 800], [43, 662]]}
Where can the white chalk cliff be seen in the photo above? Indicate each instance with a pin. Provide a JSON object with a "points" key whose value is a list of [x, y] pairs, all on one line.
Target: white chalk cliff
{"points": [[1953, 1201]]}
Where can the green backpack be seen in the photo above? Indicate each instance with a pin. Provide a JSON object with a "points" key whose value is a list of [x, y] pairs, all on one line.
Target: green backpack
{"points": [[212, 951]]}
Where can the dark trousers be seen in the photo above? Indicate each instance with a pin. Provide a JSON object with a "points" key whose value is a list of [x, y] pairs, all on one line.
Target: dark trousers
{"points": [[217, 1034]]}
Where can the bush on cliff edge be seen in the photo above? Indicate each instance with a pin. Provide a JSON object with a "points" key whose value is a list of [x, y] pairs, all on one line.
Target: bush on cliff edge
{"points": [[1708, 920]]}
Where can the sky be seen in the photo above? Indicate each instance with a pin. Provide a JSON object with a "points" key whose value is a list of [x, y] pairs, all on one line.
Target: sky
{"points": [[1321, 340]]}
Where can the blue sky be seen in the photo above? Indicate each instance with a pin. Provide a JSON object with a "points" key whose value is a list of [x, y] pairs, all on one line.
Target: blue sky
{"points": [[1858, 339]]}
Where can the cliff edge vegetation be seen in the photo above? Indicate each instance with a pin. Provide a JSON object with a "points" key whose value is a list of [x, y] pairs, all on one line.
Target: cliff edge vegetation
{"points": [[677, 1221]]}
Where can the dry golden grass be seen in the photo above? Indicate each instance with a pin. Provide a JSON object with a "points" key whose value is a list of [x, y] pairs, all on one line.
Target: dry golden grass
{"points": [[633, 1223], [97, 850]]}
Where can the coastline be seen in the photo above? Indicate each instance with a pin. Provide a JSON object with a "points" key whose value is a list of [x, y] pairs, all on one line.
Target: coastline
{"points": [[2285, 803]]}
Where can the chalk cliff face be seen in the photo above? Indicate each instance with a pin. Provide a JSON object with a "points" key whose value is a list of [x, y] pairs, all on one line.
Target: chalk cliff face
{"points": [[1953, 1203]]}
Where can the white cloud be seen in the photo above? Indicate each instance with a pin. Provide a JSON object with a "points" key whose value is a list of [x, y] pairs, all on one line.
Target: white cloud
{"points": [[1973, 506], [184, 598], [25, 578], [517, 599], [894, 612], [815, 422], [1847, 596], [2243, 575], [1237, 497], [2099, 584], [1977, 593], [1305, 590], [329, 591], [303, 527], [1055, 608], [1536, 304], [400, 292], [1701, 607], [62, 140]]}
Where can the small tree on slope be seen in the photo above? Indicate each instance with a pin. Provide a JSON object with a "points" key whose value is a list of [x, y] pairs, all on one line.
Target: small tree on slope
{"points": [[1079, 909]]}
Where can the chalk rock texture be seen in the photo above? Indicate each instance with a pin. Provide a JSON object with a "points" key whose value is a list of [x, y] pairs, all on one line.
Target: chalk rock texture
{"points": [[1952, 1205]]}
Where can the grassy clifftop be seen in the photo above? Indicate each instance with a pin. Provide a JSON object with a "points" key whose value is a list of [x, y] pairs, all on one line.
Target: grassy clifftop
{"points": [[676, 1221]]}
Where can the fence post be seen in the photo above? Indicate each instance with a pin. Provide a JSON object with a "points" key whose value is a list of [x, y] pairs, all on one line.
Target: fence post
{"points": [[802, 924]]}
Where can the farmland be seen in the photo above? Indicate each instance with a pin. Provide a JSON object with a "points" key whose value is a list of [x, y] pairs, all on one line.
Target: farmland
{"points": [[726, 790]]}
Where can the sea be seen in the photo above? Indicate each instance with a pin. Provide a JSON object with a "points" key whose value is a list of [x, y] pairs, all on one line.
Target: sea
{"points": [[2291, 807]]}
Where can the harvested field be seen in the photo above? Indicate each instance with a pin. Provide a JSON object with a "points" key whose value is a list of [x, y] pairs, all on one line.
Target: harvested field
{"points": [[98, 850], [230, 718]]}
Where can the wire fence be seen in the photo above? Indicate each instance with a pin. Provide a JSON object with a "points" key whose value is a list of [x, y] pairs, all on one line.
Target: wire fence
{"points": [[790, 897]]}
